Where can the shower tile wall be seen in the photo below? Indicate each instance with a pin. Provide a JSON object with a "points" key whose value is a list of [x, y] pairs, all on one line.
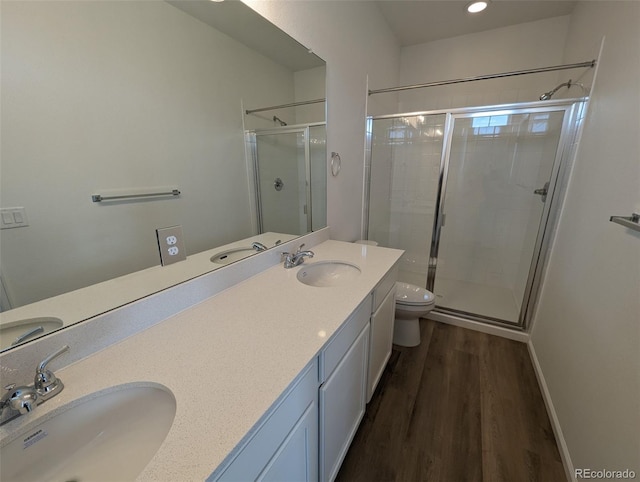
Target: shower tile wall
{"points": [[380, 183], [540, 151], [403, 189], [492, 214]]}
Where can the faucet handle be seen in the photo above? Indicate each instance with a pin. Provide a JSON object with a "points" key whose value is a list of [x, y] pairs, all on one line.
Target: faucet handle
{"points": [[20, 399], [43, 364], [45, 381]]}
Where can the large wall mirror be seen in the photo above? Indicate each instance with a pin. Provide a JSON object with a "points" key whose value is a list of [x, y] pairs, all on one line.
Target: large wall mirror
{"points": [[202, 100]]}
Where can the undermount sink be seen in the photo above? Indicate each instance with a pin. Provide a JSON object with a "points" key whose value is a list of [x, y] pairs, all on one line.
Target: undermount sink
{"points": [[328, 273], [17, 332], [108, 437], [231, 255]]}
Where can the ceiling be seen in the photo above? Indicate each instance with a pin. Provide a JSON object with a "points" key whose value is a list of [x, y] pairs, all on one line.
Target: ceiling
{"points": [[240, 22], [419, 21]]}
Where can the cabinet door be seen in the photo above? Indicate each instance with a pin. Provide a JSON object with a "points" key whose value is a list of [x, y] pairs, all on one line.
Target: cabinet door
{"points": [[296, 459], [284, 445], [342, 405], [381, 340]]}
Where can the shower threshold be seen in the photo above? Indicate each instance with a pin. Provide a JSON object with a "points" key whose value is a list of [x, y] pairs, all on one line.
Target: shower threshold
{"points": [[477, 301]]}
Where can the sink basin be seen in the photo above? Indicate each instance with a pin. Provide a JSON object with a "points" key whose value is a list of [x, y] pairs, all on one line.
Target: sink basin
{"points": [[231, 255], [17, 332], [108, 437], [328, 273]]}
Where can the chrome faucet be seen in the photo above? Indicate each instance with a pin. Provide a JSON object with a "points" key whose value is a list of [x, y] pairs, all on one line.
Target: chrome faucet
{"points": [[258, 246], [25, 399], [291, 260], [19, 399], [45, 382]]}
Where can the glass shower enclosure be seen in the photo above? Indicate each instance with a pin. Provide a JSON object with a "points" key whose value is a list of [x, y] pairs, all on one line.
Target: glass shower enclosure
{"points": [[468, 194], [289, 166]]}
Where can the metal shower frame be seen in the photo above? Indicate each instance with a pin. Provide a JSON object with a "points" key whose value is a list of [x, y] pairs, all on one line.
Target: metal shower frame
{"points": [[574, 109]]}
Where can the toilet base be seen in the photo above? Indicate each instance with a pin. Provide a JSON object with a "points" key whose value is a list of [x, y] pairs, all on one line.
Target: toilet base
{"points": [[406, 332]]}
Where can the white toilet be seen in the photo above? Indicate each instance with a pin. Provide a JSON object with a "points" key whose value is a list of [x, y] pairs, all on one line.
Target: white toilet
{"points": [[412, 303]]}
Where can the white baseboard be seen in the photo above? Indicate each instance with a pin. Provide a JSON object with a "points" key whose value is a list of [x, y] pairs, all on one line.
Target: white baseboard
{"points": [[553, 417], [520, 336]]}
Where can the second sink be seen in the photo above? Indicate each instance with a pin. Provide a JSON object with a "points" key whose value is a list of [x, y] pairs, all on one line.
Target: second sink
{"points": [[328, 273], [17, 332], [110, 437], [231, 255]]}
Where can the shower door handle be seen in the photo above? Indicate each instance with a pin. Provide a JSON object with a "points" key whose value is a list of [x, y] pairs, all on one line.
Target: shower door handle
{"points": [[543, 191]]}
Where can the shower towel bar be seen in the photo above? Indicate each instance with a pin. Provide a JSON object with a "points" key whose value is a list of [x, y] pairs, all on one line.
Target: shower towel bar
{"points": [[96, 198], [631, 222]]}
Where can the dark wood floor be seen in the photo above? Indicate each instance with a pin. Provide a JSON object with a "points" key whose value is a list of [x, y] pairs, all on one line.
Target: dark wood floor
{"points": [[461, 407]]}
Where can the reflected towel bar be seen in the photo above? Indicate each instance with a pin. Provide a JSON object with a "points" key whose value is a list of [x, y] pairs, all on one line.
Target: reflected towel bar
{"points": [[96, 198], [631, 222]]}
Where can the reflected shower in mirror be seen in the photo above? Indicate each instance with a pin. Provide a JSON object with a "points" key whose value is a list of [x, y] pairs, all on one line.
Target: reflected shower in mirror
{"points": [[121, 98]]}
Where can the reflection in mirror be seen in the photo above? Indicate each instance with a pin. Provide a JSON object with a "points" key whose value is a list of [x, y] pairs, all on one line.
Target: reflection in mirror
{"points": [[121, 98], [291, 178]]}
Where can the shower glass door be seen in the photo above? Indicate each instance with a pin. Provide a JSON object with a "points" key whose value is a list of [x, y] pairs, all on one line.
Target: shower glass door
{"points": [[404, 166], [283, 182], [493, 209], [318, 172]]}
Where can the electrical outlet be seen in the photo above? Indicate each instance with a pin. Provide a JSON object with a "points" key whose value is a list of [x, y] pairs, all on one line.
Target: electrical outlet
{"points": [[171, 245], [13, 218]]}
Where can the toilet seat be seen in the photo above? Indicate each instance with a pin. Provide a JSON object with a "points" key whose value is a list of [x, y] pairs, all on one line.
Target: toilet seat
{"points": [[412, 295]]}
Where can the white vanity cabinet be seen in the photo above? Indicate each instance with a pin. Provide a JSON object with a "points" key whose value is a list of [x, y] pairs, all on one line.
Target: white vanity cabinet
{"points": [[307, 433], [382, 318], [343, 373], [285, 445]]}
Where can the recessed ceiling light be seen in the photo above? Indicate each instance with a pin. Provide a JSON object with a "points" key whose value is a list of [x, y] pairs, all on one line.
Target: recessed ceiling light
{"points": [[476, 7]]}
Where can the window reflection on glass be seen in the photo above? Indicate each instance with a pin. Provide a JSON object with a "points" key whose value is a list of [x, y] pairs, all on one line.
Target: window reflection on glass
{"points": [[539, 124], [414, 128], [489, 125]]}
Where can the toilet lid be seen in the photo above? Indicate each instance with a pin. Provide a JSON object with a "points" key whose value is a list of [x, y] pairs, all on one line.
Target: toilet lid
{"points": [[408, 294]]}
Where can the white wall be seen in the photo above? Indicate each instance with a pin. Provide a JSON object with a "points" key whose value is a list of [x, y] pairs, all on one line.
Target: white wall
{"points": [[147, 107], [354, 40], [518, 47], [310, 84], [586, 332]]}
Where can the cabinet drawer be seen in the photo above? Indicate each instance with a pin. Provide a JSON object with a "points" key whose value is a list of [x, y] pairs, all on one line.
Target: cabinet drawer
{"points": [[343, 339], [384, 286]]}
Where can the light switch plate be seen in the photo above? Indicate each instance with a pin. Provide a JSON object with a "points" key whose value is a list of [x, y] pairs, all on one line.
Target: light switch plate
{"points": [[171, 245], [13, 218]]}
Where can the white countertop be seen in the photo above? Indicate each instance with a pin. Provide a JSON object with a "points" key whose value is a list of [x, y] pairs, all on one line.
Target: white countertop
{"points": [[84, 303], [227, 359]]}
